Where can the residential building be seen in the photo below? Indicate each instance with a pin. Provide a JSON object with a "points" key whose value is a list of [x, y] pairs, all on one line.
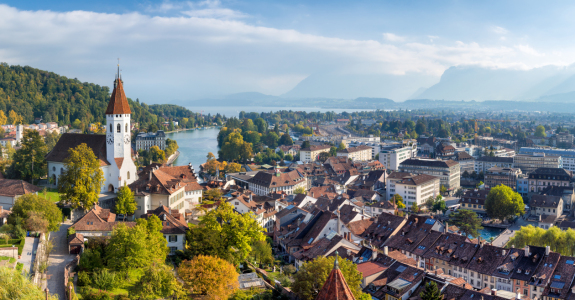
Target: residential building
{"points": [[444, 150], [146, 140], [567, 155], [545, 209], [541, 178], [506, 176], [563, 139], [97, 222], [12, 189], [474, 200], [522, 184], [174, 227], [113, 150], [377, 208], [359, 153], [415, 188], [264, 212], [448, 171], [264, 183], [483, 264], [311, 154], [426, 146], [466, 162], [566, 193], [391, 157], [292, 150], [529, 163], [561, 280], [484, 163]]}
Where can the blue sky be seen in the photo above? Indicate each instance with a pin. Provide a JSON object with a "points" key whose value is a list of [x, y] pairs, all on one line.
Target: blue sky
{"points": [[182, 50]]}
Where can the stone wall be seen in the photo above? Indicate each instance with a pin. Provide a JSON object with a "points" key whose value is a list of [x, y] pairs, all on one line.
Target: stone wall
{"points": [[9, 251]]}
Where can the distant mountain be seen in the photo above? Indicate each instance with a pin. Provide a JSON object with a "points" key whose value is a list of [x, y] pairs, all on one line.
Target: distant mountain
{"points": [[477, 83]]}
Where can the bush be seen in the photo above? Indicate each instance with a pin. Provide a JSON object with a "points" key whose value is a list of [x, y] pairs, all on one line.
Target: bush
{"points": [[21, 246], [289, 269], [71, 231], [84, 279], [19, 267], [97, 295], [104, 279]]}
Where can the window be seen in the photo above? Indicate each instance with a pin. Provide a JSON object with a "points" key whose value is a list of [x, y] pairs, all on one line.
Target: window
{"points": [[111, 128], [126, 128], [119, 128], [173, 238], [525, 292], [128, 175], [173, 250]]}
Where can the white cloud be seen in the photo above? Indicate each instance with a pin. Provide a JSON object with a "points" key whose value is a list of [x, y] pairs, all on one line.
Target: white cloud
{"points": [[499, 30], [392, 37], [202, 53]]}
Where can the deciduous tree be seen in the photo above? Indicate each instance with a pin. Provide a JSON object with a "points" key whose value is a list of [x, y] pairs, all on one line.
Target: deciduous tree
{"points": [[15, 285], [503, 203], [157, 282], [467, 221], [299, 190], [41, 207], [211, 276], [29, 161], [82, 179], [125, 203]]}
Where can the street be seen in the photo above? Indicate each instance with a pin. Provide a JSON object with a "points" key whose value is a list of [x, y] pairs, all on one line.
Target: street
{"points": [[59, 257], [29, 253]]}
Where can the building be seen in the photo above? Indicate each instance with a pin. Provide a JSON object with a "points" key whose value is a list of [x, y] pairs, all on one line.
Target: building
{"points": [[97, 222], [264, 183], [484, 163], [528, 163], [145, 140], [563, 139], [335, 287], [474, 200], [414, 188], [158, 185], [506, 176], [12, 189], [542, 178], [359, 153], [545, 209], [263, 211], [311, 154], [466, 162], [448, 171], [567, 155], [113, 150], [522, 185], [391, 157], [174, 227]]}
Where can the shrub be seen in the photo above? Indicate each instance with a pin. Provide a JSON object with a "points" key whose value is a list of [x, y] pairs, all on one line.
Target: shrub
{"points": [[289, 269], [71, 231], [104, 279], [4, 237], [21, 246], [19, 267], [84, 279], [97, 295]]}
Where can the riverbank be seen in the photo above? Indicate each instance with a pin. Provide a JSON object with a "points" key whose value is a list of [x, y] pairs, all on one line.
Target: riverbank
{"points": [[173, 157], [195, 128], [194, 145]]}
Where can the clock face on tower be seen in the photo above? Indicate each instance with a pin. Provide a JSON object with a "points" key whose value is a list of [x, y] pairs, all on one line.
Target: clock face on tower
{"points": [[127, 139], [110, 140]]}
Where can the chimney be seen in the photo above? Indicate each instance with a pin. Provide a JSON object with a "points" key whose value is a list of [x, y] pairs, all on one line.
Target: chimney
{"points": [[527, 251], [494, 292], [446, 230], [385, 251], [547, 249], [503, 252], [151, 171], [388, 222], [251, 198]]}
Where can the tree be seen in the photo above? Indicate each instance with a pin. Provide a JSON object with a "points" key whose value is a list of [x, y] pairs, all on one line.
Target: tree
{"points": [[299, 190], [15, 285], [431, 292], [312, 275], [398, 200], [271, 139], [137, 247], [459, 192], [41, 207], [561, 241], [36, 222], [155, 154], [322, 157], [440, 205], [341, 146], [414, 207], [262, 251], [233, 168], [443, 189], [234, 148], [3, 118], [467, 221], [503, 203], [286, 140], [333, 151], [125, 203], [288, 157], [29, 161], [157, 282], [14, 118], [82, 179], [210, 276], [540, 131], [236, 232], [305, 144]]}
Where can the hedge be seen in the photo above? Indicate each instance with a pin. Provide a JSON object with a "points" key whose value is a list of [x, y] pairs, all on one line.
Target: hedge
{"points": [[18, 242]]}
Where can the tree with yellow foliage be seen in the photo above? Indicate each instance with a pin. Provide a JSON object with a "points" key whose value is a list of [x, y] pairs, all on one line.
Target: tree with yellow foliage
{"points": [[212, 164], [209, 276], [233, 168], [82, 179], [14, 118], [3, 118]]}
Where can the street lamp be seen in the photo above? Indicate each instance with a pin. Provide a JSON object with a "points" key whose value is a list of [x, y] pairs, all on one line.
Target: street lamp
{"points": [[13, 252]]}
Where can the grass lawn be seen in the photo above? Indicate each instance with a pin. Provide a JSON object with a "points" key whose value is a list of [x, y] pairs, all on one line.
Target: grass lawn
{"points": [[10, 259], [51, 194], [124, 285]]}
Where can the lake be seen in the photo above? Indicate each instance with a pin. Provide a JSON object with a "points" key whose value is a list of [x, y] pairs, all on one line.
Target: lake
{"points": [[194, 146], [234, 111]]}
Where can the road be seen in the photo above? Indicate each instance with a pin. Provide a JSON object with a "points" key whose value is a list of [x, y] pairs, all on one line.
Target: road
{"points": [[59, 257], [29, 253]]}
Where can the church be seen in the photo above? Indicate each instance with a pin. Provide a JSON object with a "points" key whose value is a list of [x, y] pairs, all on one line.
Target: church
{"points": [[113, 150]]}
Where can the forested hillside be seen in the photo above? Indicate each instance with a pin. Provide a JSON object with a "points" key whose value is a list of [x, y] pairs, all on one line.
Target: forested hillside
{"points": [[36, 93]]}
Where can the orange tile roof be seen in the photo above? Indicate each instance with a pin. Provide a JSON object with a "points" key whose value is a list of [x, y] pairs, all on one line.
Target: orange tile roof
{"points": [[118, 102], [335, 287]]}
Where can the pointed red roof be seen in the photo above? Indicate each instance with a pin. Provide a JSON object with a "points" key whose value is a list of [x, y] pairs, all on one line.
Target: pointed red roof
{"points": [[118, 102], [335, 286]]}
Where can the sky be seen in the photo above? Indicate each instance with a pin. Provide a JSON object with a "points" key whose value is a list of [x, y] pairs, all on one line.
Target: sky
{"points": [[174, 51]]}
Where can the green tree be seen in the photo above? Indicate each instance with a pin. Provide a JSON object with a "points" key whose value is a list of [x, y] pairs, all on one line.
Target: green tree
{"points": [[431, 292], [322, 157], [333, 151], [15, 285], [299, 190], [440, 206], [125, 203], [467, 221], [459, 193], [235, 232], [29, 161], [286, 140], [262, 252], [503, 203], [81, 182], [414, 207], [341, 146], [312, 276], [442, 189], [157, 282], [305, 144], [234, 148], [540, 131], [47, 209], [398, 200]]}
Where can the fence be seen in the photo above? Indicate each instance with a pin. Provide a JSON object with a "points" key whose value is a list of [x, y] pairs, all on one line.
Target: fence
{"points": [[69, 274]]}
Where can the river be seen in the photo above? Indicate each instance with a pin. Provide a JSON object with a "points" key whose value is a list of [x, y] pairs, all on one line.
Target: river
{"points": [[194, 146], [234, 111]]}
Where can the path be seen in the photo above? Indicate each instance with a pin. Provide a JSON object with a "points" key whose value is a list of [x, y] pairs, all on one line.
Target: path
{"points": [[59, 257], [29, 253], [172, 157], [504, 237]]}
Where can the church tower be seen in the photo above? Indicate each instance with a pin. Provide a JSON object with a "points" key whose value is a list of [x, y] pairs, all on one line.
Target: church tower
{"points": [[118, 136]]}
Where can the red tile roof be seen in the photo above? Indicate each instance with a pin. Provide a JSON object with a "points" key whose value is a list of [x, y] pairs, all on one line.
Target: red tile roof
{"points": [[14, 187], [118, 103], [369, 268], [335, 287]]}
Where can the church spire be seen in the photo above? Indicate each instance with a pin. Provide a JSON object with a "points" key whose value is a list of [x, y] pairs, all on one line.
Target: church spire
{"points": [[118, 102], [335, 286]]}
